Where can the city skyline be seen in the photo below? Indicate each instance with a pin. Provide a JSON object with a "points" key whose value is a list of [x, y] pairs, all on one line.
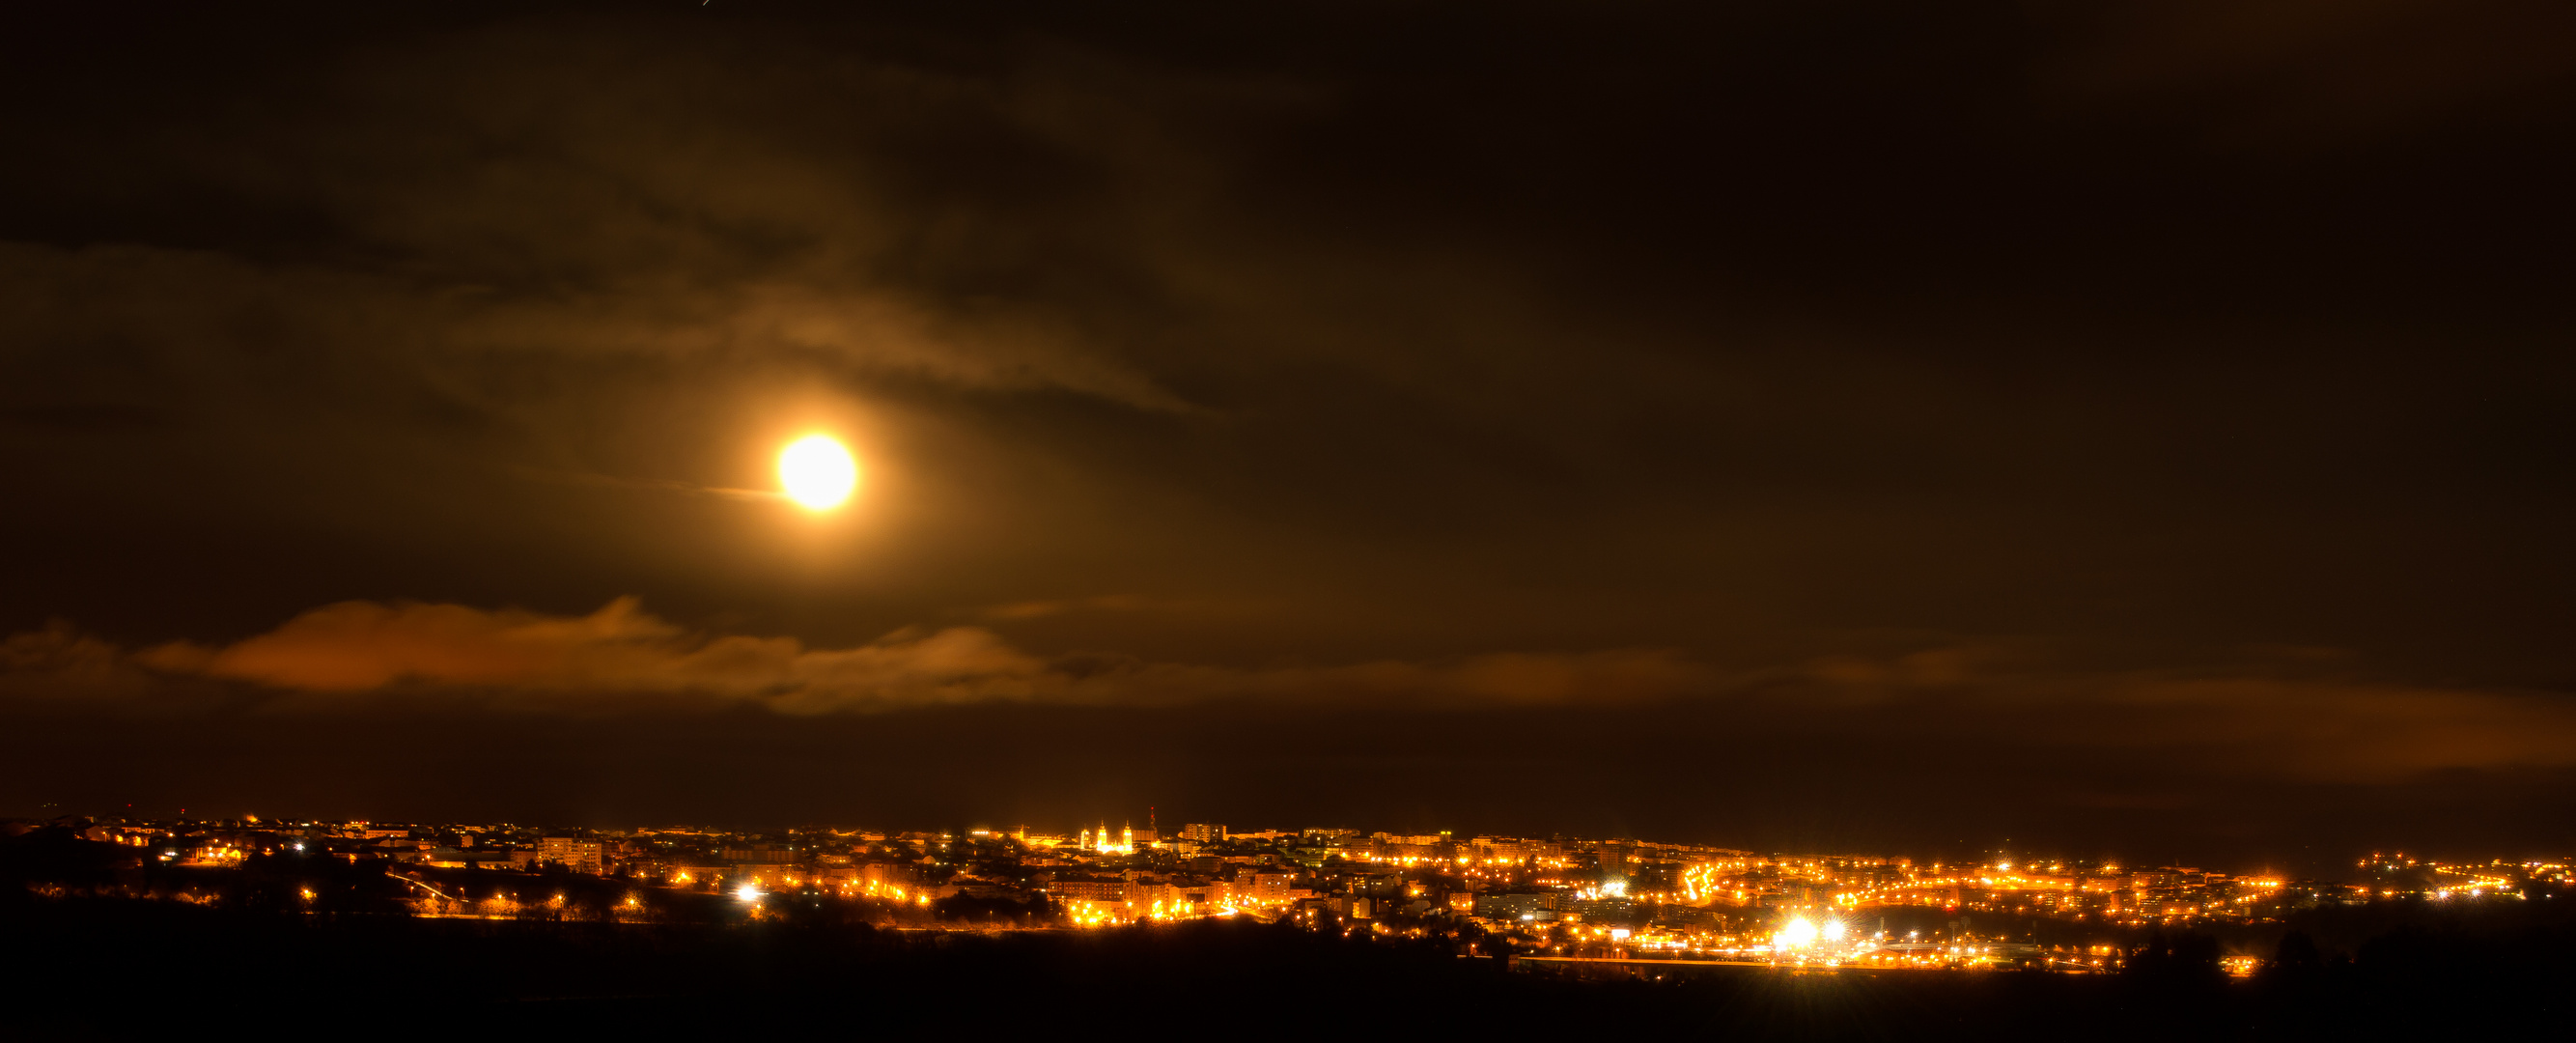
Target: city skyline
{"points": [[1088, 870], [1209, 924], [1118, 835]]}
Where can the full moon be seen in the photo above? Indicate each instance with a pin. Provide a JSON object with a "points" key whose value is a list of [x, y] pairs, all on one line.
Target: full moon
{"points": [[817, 472]]}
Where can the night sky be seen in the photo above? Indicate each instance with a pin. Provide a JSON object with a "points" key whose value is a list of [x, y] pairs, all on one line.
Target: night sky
{"points": [[2136, 430]]}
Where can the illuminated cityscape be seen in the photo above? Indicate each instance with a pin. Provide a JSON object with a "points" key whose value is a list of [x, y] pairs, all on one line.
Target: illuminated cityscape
{"points": [[1543, 900]]}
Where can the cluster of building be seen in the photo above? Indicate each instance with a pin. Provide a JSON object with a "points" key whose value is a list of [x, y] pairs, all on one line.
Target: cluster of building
{"points": [[1555, 895]]}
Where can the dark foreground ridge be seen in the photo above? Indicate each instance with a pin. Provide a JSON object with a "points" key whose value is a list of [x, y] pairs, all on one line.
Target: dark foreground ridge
{"points": [[103, 967]]}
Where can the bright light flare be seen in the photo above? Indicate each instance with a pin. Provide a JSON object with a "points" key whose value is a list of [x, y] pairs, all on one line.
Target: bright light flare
{"points": [[818, 472], [747, 892], [1797, 933]]}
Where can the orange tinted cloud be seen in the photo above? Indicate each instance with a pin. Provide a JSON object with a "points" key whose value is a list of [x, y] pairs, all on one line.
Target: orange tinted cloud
{"points": [[622, 651], [619, 658], [60, 662], [2323, 728]]}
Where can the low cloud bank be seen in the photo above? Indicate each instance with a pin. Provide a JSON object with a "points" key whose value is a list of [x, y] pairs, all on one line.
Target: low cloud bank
{"points": [[622, 659], [620, 651]]}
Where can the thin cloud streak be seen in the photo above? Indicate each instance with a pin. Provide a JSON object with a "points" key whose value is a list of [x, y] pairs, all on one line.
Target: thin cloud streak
{"points": [[652, 484]]}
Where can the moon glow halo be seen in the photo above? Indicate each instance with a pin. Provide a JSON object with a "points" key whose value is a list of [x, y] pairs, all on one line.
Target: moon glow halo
{"points": [[817, 472]]}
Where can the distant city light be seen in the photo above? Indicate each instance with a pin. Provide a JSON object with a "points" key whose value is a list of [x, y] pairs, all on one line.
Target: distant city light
{"points": [[1551, 899]]}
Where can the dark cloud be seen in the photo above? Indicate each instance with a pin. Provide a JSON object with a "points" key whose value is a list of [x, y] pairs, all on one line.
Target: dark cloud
{"points": [[1436, 355]]}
